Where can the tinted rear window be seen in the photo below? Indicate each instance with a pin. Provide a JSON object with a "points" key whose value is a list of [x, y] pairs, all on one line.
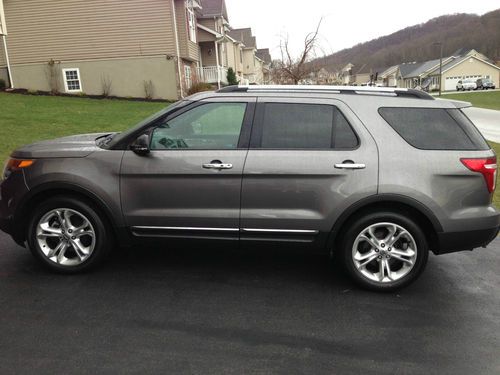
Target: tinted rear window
{"points": [[435, 128], [305, 126]]}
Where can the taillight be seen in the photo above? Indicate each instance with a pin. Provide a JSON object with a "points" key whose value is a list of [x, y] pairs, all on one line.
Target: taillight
{"points": [[486, 166]]}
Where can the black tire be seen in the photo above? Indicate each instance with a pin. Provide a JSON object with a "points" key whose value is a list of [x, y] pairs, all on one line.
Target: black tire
{"points": [[357, 225], [103, 237]]}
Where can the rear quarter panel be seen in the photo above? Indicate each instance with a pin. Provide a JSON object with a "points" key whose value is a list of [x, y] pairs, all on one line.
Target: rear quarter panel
{"points": [[457, 196]]}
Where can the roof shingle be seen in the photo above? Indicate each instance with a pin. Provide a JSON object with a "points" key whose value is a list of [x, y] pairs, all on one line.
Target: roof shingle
{"points": [[245, 36], [211, 8]]}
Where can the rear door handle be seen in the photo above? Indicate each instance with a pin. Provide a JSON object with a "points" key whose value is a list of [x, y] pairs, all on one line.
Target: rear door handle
{"points": [[216, 164], [350, 166]]}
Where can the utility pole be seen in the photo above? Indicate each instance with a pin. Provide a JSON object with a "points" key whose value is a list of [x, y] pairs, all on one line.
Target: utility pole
{"points": [[440, 44]]}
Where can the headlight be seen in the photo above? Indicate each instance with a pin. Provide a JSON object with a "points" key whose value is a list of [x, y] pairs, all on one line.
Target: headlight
{"points": [[13, 165]]}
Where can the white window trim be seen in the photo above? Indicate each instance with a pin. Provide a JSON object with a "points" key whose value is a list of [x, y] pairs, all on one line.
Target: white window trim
{"points": [[188, 76], [191, 22], [66, 80]]}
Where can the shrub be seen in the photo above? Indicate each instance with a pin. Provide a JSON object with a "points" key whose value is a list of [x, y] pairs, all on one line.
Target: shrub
{"points": [[3, 85], [231, 77], [199, 87], [106, 83], [149, 89]]}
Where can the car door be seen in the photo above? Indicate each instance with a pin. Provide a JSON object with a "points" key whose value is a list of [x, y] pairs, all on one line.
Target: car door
{"points": [[189, 184], [309, 160]]}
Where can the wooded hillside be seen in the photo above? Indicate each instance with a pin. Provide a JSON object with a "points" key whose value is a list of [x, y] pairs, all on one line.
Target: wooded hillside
{"points": [[415, 43]]}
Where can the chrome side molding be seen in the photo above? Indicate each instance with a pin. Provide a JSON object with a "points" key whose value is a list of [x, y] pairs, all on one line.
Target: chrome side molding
{"points": [[246, 230]]}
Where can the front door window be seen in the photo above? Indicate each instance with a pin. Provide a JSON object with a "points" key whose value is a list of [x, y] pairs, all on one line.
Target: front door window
{"points": [[211, 126]]}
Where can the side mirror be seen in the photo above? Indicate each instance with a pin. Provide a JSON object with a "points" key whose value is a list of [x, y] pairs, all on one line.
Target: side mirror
{"points": [[141, 145]]}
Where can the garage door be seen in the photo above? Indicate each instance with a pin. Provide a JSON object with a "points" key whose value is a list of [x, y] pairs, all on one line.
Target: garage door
{"points": [[451, 83]]}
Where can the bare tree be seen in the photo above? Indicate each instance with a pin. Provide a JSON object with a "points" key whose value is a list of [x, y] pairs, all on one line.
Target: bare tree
{"points": [[290, 69]]}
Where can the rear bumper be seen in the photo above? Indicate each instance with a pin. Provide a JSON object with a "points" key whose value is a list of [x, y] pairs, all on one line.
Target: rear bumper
{"points": [[452, 242]]}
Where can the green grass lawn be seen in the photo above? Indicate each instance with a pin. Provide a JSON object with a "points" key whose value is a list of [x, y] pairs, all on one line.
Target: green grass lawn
{"points": [[25, 119], [482, 99]]}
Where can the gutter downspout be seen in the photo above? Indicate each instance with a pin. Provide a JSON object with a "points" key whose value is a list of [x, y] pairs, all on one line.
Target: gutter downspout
{"points": [[3, 33], [217, 62], [9, 69], [176, 35]]}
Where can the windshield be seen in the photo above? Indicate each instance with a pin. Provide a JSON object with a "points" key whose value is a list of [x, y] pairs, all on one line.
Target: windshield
{"points": [[116, 138]]}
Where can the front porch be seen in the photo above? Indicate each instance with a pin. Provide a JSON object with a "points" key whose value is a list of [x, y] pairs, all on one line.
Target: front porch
{"points": [[217, 75]]}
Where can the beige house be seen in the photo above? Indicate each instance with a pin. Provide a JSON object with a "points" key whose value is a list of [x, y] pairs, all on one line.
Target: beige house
{"points": [[389, 76], [133, 48], [264, 55], [218, 50], [471, 66], [252, 66], [468, 64]]}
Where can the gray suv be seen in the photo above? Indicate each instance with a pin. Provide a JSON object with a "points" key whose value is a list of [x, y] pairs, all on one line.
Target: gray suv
{"points": [[375, 177]]}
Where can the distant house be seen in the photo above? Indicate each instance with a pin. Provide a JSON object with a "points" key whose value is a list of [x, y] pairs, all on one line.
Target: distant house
{"points": [[264, 55], [468, 66], [389, 76], [136, 48], [367, 75], [346, 74], [252, 65], [471, 64], [361, 75], [325, 77], [218, 50]]}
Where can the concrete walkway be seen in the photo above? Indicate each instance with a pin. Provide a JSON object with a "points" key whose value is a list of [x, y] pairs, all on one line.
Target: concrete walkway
{"points": [[487, 121]]}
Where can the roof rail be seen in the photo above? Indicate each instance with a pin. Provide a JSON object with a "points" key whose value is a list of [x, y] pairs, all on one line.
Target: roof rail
{"points": [[359, 90]]}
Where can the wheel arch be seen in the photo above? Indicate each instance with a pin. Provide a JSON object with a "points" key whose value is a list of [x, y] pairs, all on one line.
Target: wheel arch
{"points": [[38, 194], [398, 203]]}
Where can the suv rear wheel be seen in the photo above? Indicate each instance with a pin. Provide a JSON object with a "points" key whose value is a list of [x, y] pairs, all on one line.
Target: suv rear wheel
{"points": [[384, 251], [67, 235]]}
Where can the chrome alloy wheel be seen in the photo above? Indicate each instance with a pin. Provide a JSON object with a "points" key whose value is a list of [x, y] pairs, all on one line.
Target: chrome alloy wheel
{"points": [[65, 236], [384, 252]]}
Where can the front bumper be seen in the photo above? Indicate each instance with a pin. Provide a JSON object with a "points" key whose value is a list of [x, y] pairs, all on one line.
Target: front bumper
{"points": [[6, 225], [12, 190], [452, 242]]}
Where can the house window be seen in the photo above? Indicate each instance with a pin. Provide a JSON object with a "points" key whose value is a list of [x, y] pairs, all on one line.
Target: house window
{"points": [[72, 80], [191, 20], [187, 76]]}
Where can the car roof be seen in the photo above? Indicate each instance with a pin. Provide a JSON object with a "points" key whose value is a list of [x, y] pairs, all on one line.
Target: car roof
{"points": [[386, 96]]}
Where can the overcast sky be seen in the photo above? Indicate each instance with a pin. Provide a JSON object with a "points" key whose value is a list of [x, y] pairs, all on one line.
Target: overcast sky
{"points": [[345, 23]]}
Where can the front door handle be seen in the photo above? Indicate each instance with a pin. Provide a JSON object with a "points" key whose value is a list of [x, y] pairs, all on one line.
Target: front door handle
{"points": [[350, 166], [217, 164]]}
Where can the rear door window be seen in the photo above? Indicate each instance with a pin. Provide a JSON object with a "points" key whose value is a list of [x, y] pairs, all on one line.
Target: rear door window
{"points": [[305, 126], [434, 128]]}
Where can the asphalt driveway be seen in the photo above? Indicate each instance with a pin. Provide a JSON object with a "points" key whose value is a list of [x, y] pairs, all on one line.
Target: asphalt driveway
{"points": [[172, 311], [487, 121]]}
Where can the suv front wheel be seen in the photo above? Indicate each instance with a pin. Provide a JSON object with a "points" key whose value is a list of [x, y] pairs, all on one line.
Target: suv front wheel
{"points": [[384, 251], [67, 235]]}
